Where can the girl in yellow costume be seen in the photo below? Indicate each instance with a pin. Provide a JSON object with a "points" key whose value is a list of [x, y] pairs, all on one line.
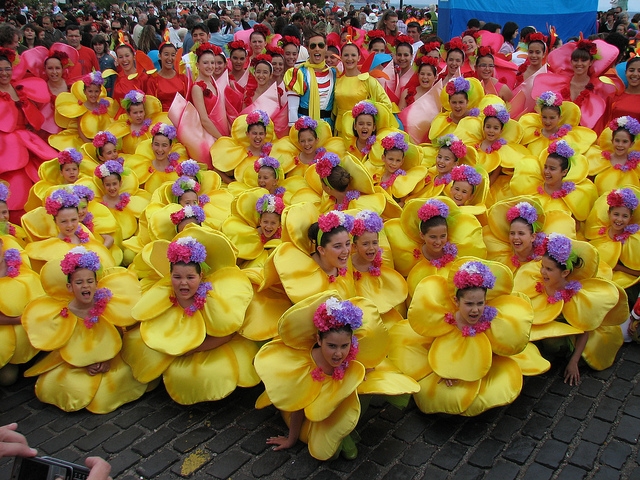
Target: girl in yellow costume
{"points": [[568, 300], [468, 190], [6, 227], [78, 322], [49, 243], [612, 227], [446, 153], [366, 123], [83, 112], [555, 119], [617, 164], [251, 137], [103, 147], [266, 173], [460, 98], [315, 372], [429, 236], [467, 340], [558, 180], [156, 160], [19, 285], [142, 111], [189, 321], [516, 228]]}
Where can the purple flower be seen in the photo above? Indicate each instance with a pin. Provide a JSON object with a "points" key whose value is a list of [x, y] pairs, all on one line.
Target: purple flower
{"points": [[559, 247], [4, 193], [84, 193]]}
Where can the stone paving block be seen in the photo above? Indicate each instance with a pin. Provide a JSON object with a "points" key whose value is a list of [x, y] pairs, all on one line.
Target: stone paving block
{"points": [[590, 387], [486, 453], [192, 462], [121, 441], [254, 418], [392, 414], [579, 407], [521, 408], [58, 441], [257, 443], [226, 438], [133, 416], [188, 419], [433, 473], [123, 461], [373, 433], [366, 469], [569, 472], [615, 454], [154, 441], [549, 404], [585, 455], [632, 354], [158, 462], [15, 399], [635, 473], [418, 454], [604, 374], [302, 466], [441, 430], [69, 454], [192, 439], [537, 472], [159, 417], [269, 463], [70, 419], [537, 426], [97, 437], [503, 471], [228, 463], [472, 432], [92, 421], [551, 454], [39, 436], [607, 473], [399, 472], [31, 422], [619, 389], [566, 429], [388, 451], [506, 427], [411, 427], [326, 475], [560, 388], [519, 450], [469, 472], [535, 387], [597, 431], [632, 407], [17, 414], [608, 410], [628, 429], [450, 456], [627, 370]]}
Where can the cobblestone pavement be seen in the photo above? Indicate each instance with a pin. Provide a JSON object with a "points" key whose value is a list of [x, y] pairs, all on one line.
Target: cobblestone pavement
{"points": [[551, 431]]}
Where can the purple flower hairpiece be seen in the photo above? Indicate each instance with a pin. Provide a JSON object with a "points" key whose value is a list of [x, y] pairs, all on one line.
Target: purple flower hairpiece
{"points": [[83, 192], [457, 85], [562, 148], [366, 221], [335, 314], [498, 111], [258, 116], [4, 193], [190, 211], [305, 122], [523, 210], [466, 173], [80, 257], [433, 208], [326, 164], [190, 168], [184, 184], [364, 108], [630, 124], [69, 155], [102, 138], [168, 131], [267, 162], [453, 143], [549, 99], [132, 97], [334, 219], [93, 78], [60, 199], [187, 250], [474, 275], [270, 204], [559, 249], [624, 197], [108, 168], [395, 140]]}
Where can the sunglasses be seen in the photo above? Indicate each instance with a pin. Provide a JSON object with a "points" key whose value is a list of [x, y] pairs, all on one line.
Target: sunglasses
{"points": [[313, 46]]}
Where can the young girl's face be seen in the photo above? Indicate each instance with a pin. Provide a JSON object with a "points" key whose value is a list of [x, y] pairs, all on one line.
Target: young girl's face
{"points": [[393, 160], [4, 212], [290, 55], [521, 237], [167, 58], [137, 113], [185, 281], [454, 62], [622, 142], [485, 67], [553, 277], [459, 103], [93, 93], [189, 198], [334, 347], [492, 129], [367, 246], [111, 185], [269, 224], [67, 221], [262, 73], [445, 161], [125, 59], [238, 59], [83, 286], [350, 56], [471, 306], [267, 179], [404, 55], [109, 152], [535, 54], [257, 44], [426, 77], [461, 192], [161, 147], [257, 135], [365, 126], [53, 69], [434, 240], [82, 209], [470, 44], [99, 49], [278, 65], [69, 172], [377, 47], [619, 218], [550, 120], [219, 65], [308, 142], [553, 173], [580, 66], [206, 64], [336, 252]]}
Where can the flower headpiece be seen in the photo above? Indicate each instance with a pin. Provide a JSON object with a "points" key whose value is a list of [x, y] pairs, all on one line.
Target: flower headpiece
{"points": [[305, 122], [69, 155], [60, 199], [258, 116], [623, 197], [527, 212], [83, 193], [190, 211], [453, 143], [395, 141], [168, 131], [373, 34], [326, 164], [430, 47], [80, 257], [262, 58], [288, 40], [455, 44], [433, 208], [184, 184], [334, 314], [274, 50], [62, 56], [364, 108], [190, 168], [562, 148], [558, 247], [131, 98], [267, 162], [474, 275], [589, 46], [400, 39], [549, 99], [186, 250], [261, 29], [270, 204], [366, 221], [4, 193], [108, 168], [457, 85], [10, 54], [466, 173], [485, 51], [630, 124], [498, 111], [208, 47], [334, 219], [102, 138], [427, 60], [536, 37], [238, 45], [93, 78]]}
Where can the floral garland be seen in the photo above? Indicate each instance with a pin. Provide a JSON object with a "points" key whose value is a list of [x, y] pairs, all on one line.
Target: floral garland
{"points": [[348, 197], [11, 230], [584, 94], [341, 273], [81, 234], [483, 324], [103, 106], [173, 163], [87, 221], [265, 150], [565, 294], [338, 373], [495, 146], [538, 251], [633, 159], [562, 131], [101, 299], [14, 261], [386, 184], [450, 253], [125, 198], [565, 189], [442, 179], [199, 299], [624, 236], [143, 130]]}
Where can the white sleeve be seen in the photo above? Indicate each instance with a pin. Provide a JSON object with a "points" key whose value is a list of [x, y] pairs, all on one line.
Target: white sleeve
{"points": [[294, 103]]}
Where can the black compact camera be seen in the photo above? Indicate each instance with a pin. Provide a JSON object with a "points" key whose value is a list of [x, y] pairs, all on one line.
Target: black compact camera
{"points": [[47, 468]]}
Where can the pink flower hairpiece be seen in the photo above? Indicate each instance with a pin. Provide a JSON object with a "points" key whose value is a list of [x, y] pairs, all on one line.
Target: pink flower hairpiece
{"points": [[80, 257], [558, 247], [453, 143], [102, 138], [334, 314], [326, 164], [60, 199], [523, 210], [549, 99], [627, 122], [108, 168], [433, 208], [267, 161], [305, 122], [624, 197], [184, 184], [270, 204], [364, 108], [562, 148], [189, 168], [69, 155], [498, 111], [258, 117], [168, 131], [334, 219], [93, 78], [186, 250], [457, 85], [366, 221], [395, 141], [466, 173], [474, 275], [131, 98], [190, 211]]}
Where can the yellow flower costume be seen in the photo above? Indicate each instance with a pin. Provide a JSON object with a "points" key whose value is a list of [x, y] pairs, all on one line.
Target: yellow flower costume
{"points": [[487, 359], [163, 344], [385, 124], [142, 165], [122, 127], [331, 405], [76, 343], [443, 124]]}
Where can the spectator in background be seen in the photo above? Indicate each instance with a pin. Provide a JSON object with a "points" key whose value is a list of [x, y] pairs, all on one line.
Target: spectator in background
{"points": [[473, 24], [192, 21], [510, 33], [51, 34], [87, 61], [414, 30], [30, 34], [137, 30], [105, 59]]}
